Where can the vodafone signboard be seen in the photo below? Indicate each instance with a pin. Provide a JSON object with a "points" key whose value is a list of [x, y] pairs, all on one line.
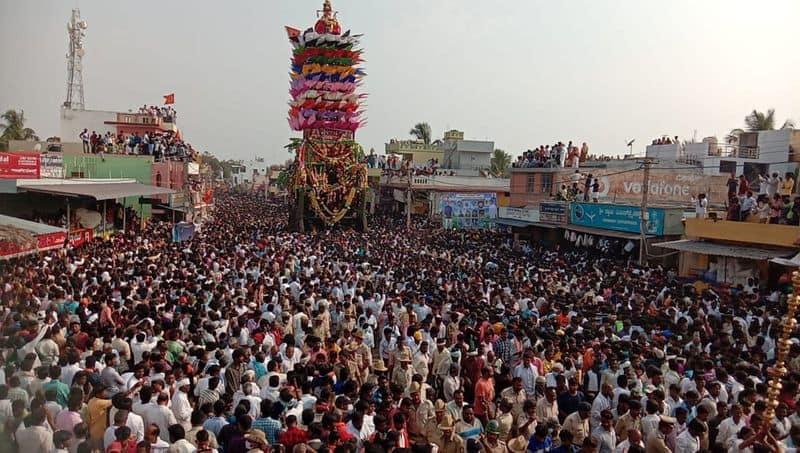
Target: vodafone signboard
{"points": [[665, 185], [20, 166]]}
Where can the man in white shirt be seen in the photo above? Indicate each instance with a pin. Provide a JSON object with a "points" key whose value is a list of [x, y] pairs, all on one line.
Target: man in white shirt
{"points": [[120, 420], [422, 360], [527, 372], [601, 403], [180, 404], [160, 415], [634, 438], [689, 440], [139, 344], [729, 428], [358, 429], [73, 366], [604, 434], [202, 384]]}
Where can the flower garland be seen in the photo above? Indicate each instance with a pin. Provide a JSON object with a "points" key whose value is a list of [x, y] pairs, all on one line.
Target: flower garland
{"points": [[324, 213]]}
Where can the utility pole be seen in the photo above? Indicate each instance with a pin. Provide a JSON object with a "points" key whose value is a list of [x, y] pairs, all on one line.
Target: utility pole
{"points": [[644, 217], [409, 200]]}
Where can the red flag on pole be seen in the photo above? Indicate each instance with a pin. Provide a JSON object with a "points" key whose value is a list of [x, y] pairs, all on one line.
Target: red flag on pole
{"points": [[169, 98]]}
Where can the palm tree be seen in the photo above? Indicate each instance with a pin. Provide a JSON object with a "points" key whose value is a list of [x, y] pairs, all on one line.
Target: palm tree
{"points": [[500, 162], [760, 121], [14, 128], [422, 131]]}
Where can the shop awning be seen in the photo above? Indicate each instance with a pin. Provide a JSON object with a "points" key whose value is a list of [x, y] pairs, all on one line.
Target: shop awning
{"points": [[512, 222], [98, 191], [733, 251], [27, 225], [603, 232], [171, 208], [20, 237], [550, 226]]}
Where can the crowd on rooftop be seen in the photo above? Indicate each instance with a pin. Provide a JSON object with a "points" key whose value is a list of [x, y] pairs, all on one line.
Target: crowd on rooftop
{"points": [[775, 201], [163, 112], [162, 145], [557, 155], [249, 338]]}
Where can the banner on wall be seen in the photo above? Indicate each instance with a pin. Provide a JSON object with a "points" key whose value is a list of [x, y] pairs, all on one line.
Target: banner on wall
{"points": [[81, 236], [616, 217], [469, 210], [20, 166], [42, 243], [52, 165]]}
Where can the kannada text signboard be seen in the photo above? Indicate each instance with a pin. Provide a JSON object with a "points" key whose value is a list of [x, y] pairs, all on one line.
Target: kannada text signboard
{"points": [[616, 217]]}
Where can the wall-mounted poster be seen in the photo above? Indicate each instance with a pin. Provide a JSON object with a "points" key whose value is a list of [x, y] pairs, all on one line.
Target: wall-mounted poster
{"points": [[468, 210]]}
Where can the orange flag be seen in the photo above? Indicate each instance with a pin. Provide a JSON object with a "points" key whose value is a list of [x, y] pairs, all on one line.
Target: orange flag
{"points": [[169, 98]]}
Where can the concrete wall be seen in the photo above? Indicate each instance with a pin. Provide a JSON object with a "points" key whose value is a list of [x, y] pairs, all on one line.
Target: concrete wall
{"points": [[620, 184], [168, 174], [74, 121], [746, 232], [467, 154], [111, 166], [665, 152]]}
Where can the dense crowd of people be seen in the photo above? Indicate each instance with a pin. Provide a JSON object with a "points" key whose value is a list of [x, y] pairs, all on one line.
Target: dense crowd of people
{"points": [[163, 112], [557, 155], [249, 338], [162, 145], [666, 140], [775, 202]]}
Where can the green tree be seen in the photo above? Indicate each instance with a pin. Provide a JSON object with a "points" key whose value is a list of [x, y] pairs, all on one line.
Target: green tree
{"points": [[217, 165], [14, 128], [500, 162], [757, 121], [422, 131], [760, 121]]}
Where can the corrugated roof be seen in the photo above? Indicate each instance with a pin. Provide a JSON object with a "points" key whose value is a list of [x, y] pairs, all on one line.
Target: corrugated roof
{"points": [[27, 225], [103, 191], [733, 251]]}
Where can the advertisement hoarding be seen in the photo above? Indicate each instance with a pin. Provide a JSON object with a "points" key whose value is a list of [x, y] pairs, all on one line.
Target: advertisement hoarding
{"points": [[468, 210], [52, 165], [20, 166], [616, 217]]}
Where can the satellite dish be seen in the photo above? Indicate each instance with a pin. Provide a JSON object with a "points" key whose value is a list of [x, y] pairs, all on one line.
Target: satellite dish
{"points": [[83, 24], [69, 26], [81, 52], [630, 142]]}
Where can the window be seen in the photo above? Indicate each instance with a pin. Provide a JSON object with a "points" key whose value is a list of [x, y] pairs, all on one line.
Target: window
{"points": [[76, 174], [547, 182], [529, 183], [727, 167]]}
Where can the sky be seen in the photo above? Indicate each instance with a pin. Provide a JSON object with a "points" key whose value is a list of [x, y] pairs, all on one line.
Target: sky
{"points": [[518, 72]]}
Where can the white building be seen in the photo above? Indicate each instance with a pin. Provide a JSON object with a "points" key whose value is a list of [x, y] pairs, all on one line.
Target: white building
{"points": [[460, 154], [753, 154]]}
